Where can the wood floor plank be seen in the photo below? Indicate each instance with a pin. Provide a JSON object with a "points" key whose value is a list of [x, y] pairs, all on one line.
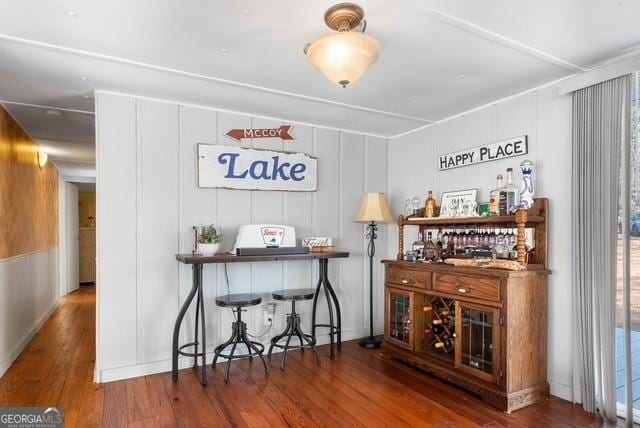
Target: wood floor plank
{"points": [[115, 405], [359, 388]]}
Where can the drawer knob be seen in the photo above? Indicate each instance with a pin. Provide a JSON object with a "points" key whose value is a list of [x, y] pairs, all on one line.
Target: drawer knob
{"points": [[464, 290], [405, 280]]}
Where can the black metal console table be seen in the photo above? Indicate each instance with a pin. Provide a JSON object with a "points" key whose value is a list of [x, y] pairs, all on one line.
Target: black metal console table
{"points": [[335, 329]]}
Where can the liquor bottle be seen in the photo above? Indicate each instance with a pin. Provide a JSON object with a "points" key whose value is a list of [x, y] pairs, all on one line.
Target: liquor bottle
{"points": [[440, 245], [494, 197], [430, 206], [430, 249], [512, 193], [418, 247]]}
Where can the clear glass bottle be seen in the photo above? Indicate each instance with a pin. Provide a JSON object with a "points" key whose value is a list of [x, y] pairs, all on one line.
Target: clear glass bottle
{"points": [[418, 247], [512, 193], [494, 197]]}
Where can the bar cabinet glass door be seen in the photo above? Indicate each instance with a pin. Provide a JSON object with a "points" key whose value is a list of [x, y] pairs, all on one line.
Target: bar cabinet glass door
{"points": [[399, 317], [477, 340]]}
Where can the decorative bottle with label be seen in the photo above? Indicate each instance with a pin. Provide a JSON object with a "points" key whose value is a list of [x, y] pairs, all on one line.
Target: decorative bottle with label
{"points": [[430, 206], [418, 247], [512, 193], [526, 189], [430, 249], [494, 197]]}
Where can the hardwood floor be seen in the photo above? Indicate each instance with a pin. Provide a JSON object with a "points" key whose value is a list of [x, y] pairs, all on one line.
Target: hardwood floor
{"points": [[359, 388]]}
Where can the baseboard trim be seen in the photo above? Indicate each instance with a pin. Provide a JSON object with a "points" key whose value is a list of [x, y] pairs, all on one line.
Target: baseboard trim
{"points": [[13, 355], [560, 390], [127, 372]]}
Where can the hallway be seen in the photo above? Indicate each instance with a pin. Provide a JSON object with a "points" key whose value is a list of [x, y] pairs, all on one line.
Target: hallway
{"points": [[359, 388], [56, 368]]}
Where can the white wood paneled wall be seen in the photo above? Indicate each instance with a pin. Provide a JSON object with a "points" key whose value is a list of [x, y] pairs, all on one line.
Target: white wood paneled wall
{"points": [[546, 118], [148, 200], [28, 296]]}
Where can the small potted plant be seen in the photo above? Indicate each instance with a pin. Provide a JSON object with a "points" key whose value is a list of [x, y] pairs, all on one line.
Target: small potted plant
{"points": [[208, 240]]}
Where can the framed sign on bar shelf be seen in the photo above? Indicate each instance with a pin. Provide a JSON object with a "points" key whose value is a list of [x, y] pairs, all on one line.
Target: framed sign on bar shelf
{"points": [[233, 167]]}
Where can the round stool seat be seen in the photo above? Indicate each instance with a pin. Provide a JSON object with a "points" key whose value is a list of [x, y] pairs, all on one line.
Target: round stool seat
{"points": [[296, 294], [238, 300]]}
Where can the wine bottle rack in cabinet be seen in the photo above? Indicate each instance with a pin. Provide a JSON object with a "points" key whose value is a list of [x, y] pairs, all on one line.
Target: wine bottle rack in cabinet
{"points": [[436, 325]]}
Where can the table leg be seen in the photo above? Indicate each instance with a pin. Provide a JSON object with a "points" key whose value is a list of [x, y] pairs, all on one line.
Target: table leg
{"points": [[203, 380], [334, 297], [332, 302], [183, 310]]}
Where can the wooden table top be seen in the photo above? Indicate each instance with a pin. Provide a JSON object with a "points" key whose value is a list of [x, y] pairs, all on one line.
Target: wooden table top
{"points": [[191, 259]]}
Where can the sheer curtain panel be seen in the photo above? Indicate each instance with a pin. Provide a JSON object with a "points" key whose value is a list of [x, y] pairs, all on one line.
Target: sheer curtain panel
{"points": [[599, 116]]}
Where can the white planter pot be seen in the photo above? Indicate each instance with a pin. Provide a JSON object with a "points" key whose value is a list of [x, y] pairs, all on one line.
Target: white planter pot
{"points": [[208, 249]]}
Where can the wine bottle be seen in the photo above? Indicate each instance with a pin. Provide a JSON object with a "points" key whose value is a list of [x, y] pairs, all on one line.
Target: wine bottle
{"points": [[427, 308], [439, 345]]}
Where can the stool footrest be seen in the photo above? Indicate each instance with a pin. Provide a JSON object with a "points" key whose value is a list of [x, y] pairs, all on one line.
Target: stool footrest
{"points": [[189, 354], [258, 345]]}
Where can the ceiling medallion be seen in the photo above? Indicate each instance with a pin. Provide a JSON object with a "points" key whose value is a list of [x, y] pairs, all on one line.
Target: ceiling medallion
{"points": [[343, 57]]}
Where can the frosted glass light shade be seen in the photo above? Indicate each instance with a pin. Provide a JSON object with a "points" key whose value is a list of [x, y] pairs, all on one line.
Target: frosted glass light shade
{"points": [[374, 208], [343, 57]]}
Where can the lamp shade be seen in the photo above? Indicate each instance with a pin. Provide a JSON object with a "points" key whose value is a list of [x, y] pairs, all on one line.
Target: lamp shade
{"points": [[374, 208], [343, 57]]}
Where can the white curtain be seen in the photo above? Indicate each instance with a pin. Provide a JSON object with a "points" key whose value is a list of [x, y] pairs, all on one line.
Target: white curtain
{"points": [[600, 113]]}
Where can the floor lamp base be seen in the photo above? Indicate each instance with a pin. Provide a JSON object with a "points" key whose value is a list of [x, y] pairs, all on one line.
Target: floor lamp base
{"points": [[370, 342]]}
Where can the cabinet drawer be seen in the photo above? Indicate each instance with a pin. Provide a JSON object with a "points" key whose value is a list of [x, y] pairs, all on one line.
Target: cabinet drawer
{"points": [[408, 277], [476, 287]]}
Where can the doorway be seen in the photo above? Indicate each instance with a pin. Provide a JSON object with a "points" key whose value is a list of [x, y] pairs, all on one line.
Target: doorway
{"points": [[627, 339], [77, 235]]}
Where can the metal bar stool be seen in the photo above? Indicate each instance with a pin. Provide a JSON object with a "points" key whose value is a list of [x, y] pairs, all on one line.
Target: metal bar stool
{"points": [[239, 332], [293, 325]]}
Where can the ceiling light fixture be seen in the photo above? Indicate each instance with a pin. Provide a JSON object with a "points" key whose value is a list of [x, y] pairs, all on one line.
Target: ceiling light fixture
{"points": [[72, 14], [224, 50], [246, 11], [345, 56]]}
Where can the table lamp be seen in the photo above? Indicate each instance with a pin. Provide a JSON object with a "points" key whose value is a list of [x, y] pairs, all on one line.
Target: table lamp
{"points": [[374, 209]]}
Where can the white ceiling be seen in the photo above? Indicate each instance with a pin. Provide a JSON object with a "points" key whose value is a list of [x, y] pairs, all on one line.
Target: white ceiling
{"points": [[172, 50]]}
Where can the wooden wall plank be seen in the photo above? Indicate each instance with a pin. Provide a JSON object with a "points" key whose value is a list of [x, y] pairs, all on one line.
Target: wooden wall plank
{"points": [[28, 195]]}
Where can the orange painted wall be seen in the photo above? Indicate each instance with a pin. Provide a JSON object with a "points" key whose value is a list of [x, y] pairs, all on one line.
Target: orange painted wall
{"points": [[28, 195]]}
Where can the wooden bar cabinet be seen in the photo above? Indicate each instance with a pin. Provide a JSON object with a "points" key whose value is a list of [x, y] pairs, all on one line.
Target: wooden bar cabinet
{"points": [[482, 329]]}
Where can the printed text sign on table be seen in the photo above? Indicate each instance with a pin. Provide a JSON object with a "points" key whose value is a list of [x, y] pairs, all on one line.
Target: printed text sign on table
{"points": [[489, 152], [250, 169]]}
